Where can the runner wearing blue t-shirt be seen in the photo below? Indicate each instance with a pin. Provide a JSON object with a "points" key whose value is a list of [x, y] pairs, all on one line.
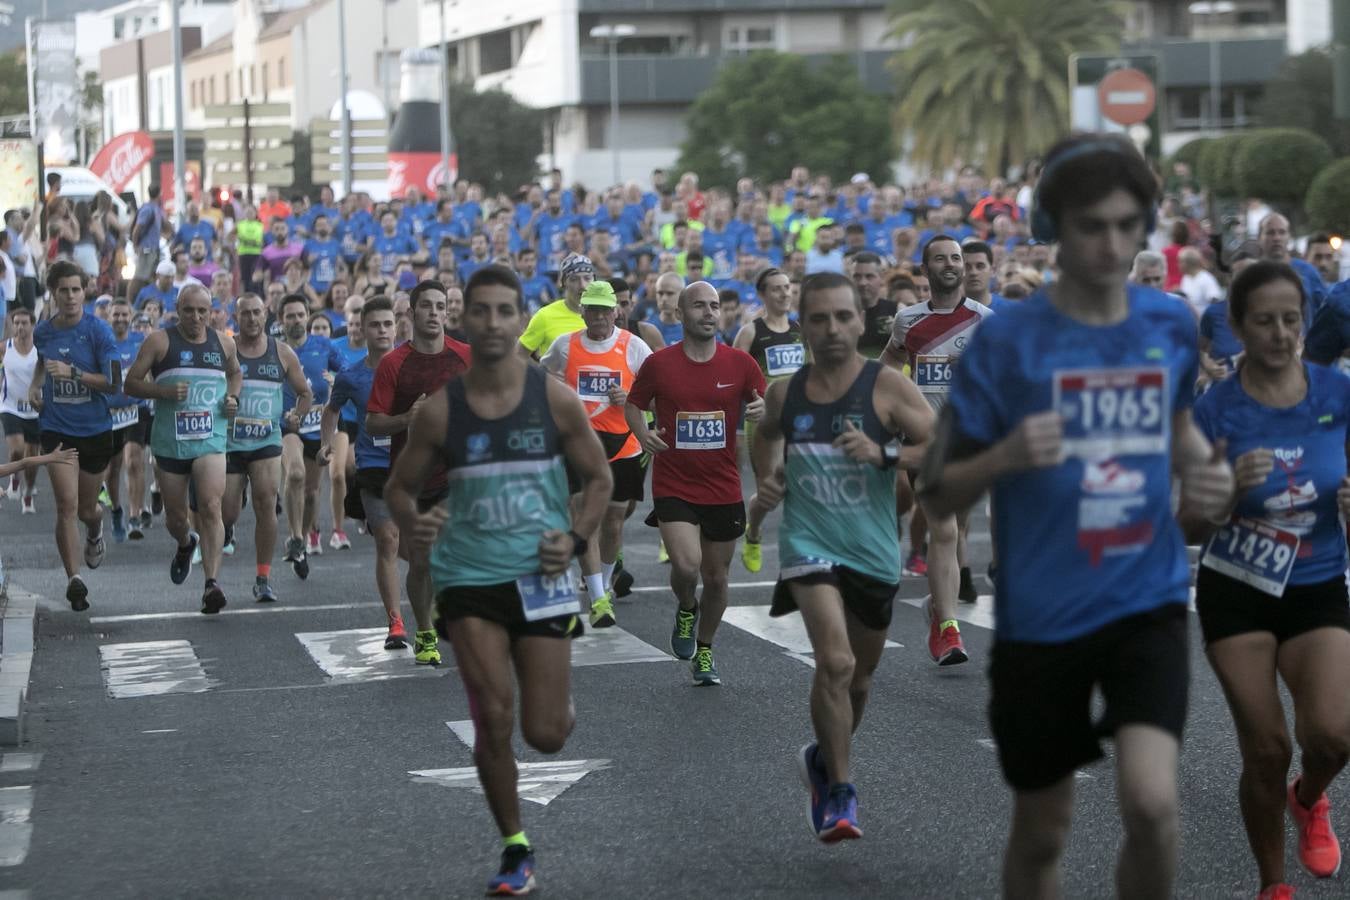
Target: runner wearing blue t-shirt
{"points": [[76, 352], [1271, 590], [351, 347], [1074, 410], [351, 389]]}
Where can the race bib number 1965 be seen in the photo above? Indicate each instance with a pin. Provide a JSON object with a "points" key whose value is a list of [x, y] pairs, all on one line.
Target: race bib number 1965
{"points": [[1113, 412]]}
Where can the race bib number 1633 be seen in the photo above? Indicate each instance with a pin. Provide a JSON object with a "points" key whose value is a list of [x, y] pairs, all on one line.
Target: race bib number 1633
{"points": [[1113, 412]]}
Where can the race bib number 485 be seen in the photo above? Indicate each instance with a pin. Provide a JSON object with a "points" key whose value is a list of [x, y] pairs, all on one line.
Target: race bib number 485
{"points": [[701, 430], [1113, 412], [595, 384]]}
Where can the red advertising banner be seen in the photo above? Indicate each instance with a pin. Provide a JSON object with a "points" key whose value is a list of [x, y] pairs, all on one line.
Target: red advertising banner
{"points": [[122, 157]]}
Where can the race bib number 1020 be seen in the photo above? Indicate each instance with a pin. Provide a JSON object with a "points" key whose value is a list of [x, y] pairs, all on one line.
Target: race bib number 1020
{"points": [[1113, 412]]}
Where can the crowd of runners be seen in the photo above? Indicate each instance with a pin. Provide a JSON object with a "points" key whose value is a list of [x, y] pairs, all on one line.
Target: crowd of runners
{"points": [[484, 386]]}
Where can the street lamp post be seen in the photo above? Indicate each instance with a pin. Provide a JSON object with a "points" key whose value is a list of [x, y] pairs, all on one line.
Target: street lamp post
{"points": [[445, 103], [179, 150], [1211, 8], [342, 92], [613, 34]]}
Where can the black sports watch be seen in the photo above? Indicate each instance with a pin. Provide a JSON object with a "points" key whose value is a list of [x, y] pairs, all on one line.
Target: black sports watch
{"points": [[890, 456], [579, 544]]}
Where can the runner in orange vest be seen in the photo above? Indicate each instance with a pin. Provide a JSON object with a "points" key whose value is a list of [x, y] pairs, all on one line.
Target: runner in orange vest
{"points": [[600, 364]]}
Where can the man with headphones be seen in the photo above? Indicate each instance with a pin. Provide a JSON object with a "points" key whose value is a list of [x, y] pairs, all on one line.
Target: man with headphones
{"points": [[1074, 409]]}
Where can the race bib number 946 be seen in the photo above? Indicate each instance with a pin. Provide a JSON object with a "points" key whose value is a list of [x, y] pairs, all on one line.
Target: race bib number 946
{"points": [[545, 596], [1113, 412], [701, 430]]}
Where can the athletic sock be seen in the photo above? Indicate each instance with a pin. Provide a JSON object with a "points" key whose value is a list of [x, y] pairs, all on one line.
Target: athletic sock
{"points": [[516, 840], [264, 570], [607, 572], [595, 586], [702, 646]]}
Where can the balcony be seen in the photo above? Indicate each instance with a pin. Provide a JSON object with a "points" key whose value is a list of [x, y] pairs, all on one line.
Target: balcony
{"points": [[680, 79], [1185, 63]]}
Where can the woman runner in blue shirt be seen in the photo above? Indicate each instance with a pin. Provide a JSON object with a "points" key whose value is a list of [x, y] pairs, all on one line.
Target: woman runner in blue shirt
{"points": [[1271, 589]]}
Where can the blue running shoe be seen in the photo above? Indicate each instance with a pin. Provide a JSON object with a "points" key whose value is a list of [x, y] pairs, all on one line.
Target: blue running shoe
{"points": [[119, 526], [840, 822], [682, 642], [181, 567], [816, 780], [516, 876]]}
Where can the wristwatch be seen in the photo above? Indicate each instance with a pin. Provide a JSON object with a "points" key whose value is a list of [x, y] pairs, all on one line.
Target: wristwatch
{"points": [[890, 456], [579, 544]]}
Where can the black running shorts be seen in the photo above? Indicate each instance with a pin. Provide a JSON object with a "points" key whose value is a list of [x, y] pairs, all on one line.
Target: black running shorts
{"points": [[1228, 607], [499, 604], [716, 522], [871, 601]]}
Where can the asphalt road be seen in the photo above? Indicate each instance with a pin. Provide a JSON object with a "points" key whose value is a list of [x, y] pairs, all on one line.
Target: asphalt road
{"points": [[269, 752]]}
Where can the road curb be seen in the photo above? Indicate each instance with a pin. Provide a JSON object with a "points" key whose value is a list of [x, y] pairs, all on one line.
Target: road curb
{"points": [[18, 628]]}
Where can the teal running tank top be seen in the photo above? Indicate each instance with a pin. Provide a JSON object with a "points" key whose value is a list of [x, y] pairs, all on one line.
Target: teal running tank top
{"points": [[258, 422], [196, 426]]}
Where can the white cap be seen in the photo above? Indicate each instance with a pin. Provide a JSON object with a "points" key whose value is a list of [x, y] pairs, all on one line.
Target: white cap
{"points": [[165, 268], [860, 178]]}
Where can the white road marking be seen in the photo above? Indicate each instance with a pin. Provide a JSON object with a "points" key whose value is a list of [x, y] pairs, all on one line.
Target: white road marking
{"points": [[19, 762], [788, 632], [242, 611], [159, 731], [611, 646], [980, 613], [358, 654], [16, 831], [150, 668], [540, 782]]}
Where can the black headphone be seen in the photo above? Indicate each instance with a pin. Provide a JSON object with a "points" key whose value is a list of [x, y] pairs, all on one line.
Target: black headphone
{"points": [[1044, 228]]}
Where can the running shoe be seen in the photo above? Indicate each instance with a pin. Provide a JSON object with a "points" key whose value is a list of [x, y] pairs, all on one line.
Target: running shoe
{"points": [[397, 638], [228, 546], [13, 487], [516, 876], [28, 507], [156, 502], [213, 599], [602, 611], [816, 780], [840, 821], [623, 581], [104, 498], [262, 590], [661, 555], [77, 595], [181, 567], [425, 651], [134, 531], [197, 555], [119, 526], [944, 639], [94, 551], [704, 669], [1277, 892], [752, 555], [916, 565], [966, 593], [338, 541], [682, 642], [146, 519], [315, 545], [296, 556], [1318, 849]]}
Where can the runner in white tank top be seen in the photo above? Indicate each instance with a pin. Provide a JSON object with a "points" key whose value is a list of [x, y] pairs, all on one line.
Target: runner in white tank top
{"points": [[19, 416]]}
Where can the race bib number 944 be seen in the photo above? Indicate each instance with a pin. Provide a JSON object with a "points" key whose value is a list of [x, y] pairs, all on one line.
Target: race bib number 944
{"points": [[1113, 412]]}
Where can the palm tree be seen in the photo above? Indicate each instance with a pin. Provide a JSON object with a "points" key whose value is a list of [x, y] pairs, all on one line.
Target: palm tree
{"points": [[986, 82]]}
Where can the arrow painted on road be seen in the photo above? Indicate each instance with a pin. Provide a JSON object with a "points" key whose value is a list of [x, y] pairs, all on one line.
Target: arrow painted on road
{"points": [[538, 782]]}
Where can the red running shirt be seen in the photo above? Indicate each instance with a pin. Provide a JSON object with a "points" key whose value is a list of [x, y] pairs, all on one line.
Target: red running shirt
{"points": [[404, 375], [699, 406]]}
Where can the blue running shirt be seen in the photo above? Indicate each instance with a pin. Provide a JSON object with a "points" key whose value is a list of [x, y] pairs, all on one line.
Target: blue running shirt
{"points": [[1092, 540], [351, 389], [317, 357], [69, 407], [1308, 440], [125, 410]]}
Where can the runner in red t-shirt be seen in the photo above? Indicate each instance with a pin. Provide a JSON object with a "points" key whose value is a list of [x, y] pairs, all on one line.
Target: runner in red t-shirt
{"points": [[696, 388], [408, 375]]}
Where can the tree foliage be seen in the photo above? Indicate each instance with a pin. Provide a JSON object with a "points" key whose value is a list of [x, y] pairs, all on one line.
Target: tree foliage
{"points": [[1328, 200], [768, 112], [987, 81], [13, 84], [1216, 170], [1189, 152], [1301, 96], [1279, 164], [498, 139]]}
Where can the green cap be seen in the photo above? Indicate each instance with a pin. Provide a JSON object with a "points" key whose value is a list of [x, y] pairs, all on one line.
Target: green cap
{"points": [[599, 293]]}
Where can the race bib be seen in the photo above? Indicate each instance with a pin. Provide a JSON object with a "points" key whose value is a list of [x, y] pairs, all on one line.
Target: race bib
{"points": [[784, 359], [124, 416], [382, 443], [312, 420], [1253, 553], [700, 430], [595, 384], [193, 424], [68, 390], [250, 429], [933, 372], [546, 596], [1113, 412]]}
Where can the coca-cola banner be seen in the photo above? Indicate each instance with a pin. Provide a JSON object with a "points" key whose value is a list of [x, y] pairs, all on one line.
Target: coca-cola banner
{"points": [[122, 157], [423, 171]]}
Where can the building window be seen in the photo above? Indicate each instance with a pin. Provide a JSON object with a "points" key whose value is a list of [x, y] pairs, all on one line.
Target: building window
{"points": [[252, 80], [743, 39], [264, 83], [281, 73], [227, 87], [192, 94], [211, 89], [494, 52]]}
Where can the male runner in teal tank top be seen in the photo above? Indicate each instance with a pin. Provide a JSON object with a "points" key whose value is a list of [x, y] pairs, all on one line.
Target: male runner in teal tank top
{"points": [[196, 392], [503, 430], [839, 554]]}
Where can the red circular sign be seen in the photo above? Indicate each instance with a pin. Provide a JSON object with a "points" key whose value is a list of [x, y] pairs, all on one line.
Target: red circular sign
{"points": [[122, 157], [1126, 96]]}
